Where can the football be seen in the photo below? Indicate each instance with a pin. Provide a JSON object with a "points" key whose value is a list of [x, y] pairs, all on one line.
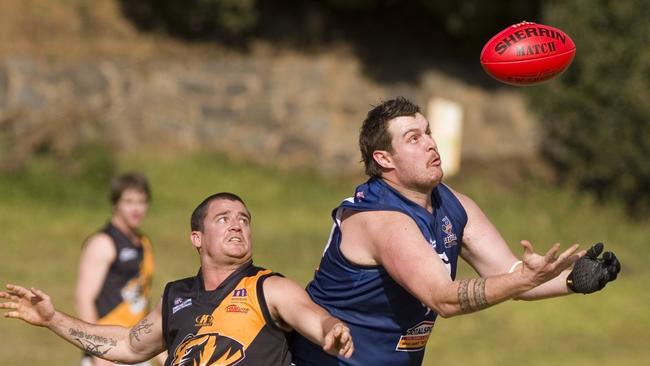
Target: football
{"points": [[527, 53]]}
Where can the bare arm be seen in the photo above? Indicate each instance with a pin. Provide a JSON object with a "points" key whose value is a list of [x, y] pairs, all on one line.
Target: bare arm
{"points": [[113, 343], [393, 240], [290, 306], [488, 253], [96, 257]]}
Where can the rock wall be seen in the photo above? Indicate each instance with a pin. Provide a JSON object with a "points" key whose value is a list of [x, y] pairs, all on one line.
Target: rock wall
{"points": [[290, 110]]}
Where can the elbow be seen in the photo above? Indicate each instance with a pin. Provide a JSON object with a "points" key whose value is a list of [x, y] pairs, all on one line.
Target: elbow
{"points": [[446, 310], [80, 302], [85, 308], [448, 313], [445, 315]]}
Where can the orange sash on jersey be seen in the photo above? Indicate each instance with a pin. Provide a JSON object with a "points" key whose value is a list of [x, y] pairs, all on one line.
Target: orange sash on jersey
{"points": [[135, 293]]}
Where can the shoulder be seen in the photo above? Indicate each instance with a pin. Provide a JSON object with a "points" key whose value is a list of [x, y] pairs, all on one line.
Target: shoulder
{"points": [[99, 238], [465, 201], [277, 289], [447, 190], [188, 281], [183, 289], [374, 220], [275, 282], [99, 243]]}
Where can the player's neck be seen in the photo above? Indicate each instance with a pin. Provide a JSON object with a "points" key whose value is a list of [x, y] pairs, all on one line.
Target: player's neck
{"points": [[121, 225], [213, 276], [421, 196]]}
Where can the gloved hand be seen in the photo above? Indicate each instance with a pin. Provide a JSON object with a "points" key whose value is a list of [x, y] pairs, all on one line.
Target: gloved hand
{"points": [[590, 273]]}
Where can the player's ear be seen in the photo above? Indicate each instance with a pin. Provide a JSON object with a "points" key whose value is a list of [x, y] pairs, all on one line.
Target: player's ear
{"points": [[195, 237], [383, 158]]}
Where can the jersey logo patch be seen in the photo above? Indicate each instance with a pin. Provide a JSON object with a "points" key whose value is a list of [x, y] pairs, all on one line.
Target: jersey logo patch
{"points": [[208, 349], [239, 295], [204, 320], [128, 254], [179, 304], [415, 339], [234, 308], [450, 238]]}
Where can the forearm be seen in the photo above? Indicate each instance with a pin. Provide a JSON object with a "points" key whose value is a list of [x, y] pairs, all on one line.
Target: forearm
{"points": [[105, 341], [553, 288], [474, 294]]}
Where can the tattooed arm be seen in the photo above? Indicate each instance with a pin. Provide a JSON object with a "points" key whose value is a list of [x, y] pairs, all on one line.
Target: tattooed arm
{"points": [[489, 254], [393, 240], [113, 343]]}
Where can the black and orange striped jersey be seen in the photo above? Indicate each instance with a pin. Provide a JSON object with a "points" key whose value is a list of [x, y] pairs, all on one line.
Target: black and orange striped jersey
{"points": [[227, 326], [123, 298]]}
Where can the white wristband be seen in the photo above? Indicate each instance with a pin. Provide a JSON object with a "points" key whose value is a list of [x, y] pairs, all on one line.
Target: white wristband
{"points": [[514, 265]]}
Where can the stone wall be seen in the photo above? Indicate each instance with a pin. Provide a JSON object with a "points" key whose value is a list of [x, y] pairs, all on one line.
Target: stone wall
{"points": [[290, 110]]}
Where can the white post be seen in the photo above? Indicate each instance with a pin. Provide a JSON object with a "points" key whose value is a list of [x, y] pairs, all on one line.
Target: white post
{"points": [[446, 123]]}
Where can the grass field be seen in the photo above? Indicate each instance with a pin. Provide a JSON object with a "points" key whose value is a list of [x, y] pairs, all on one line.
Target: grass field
{"points": [[43, 221]]}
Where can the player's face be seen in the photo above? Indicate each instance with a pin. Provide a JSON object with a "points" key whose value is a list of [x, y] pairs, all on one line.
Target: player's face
{"points": [[131, 208], [415, 157], [226, 232]]}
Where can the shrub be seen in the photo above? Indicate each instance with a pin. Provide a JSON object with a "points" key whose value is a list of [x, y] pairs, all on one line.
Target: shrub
{"points": [[596, 116]]}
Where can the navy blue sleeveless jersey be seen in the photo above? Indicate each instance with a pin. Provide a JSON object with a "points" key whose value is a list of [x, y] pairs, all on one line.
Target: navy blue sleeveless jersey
{"points": [[389, 326]]}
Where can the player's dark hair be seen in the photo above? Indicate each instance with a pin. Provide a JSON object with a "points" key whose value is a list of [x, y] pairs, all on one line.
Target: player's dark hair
{"points": [[198, 215], [132, 180], [374, 133]]}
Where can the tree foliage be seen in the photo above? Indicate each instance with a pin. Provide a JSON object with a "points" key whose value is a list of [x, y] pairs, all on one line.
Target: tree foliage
{"points": [[216, 18], [193, 18], [596, 115]]}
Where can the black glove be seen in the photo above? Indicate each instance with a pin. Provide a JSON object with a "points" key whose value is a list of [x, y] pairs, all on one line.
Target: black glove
{"points": [[591, 274]]}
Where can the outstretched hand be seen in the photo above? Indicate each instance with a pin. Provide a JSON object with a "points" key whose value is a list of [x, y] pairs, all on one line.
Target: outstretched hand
{"points": [[338, 341], [590, 273], [550, 265], [33, 306]]}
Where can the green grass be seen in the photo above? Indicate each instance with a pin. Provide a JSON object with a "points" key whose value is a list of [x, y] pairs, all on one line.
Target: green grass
{"points": [[44, 219]]}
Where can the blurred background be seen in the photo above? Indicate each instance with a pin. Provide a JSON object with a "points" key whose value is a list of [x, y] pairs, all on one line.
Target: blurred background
{"points": [[265, 98]]}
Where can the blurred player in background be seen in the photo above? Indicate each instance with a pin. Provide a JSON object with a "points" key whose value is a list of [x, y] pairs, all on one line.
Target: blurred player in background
{"points": [[231, 313], [116, 265], [389, 268]]}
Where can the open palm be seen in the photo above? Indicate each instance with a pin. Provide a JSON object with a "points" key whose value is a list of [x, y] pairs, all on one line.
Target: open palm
{"points": [[32, 306], [550, 265]]}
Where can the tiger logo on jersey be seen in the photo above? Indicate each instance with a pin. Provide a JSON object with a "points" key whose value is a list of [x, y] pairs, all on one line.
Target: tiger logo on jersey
{"points": [[210, 349]]}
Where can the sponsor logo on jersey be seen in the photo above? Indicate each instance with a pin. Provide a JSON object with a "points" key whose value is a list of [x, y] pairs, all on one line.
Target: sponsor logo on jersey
{"points": [[180, 303], [414, 339], [450, 238], [360, 195], [204, 320], [239, 295], [208, 349], [127, 254], [234, 308]]}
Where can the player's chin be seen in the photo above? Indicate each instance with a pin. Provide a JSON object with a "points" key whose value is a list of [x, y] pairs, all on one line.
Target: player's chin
{"points": [[436, 175], [239, 250]]}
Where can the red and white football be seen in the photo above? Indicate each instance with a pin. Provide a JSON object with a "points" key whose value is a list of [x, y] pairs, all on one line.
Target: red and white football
{"points": [[527, 53]]}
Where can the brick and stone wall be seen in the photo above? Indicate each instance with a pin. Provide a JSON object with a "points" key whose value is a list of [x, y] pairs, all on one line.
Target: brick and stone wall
{"points": [[292, 110]]}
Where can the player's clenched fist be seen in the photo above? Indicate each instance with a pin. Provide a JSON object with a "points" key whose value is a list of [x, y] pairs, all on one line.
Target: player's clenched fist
{"points": [[338, 341], [590, 273]]}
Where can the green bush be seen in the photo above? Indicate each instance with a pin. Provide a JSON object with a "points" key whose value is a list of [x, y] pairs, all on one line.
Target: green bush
{"points": [[596, 116]]}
